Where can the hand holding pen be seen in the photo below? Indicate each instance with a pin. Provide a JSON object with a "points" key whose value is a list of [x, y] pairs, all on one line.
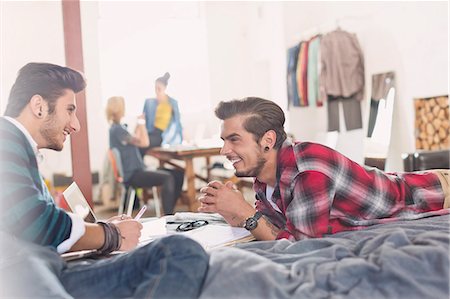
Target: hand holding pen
{"points": [[129, 229], [126, 217]]}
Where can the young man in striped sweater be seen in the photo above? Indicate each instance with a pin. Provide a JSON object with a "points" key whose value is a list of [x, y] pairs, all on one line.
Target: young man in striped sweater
{"points": [[41, 113]]}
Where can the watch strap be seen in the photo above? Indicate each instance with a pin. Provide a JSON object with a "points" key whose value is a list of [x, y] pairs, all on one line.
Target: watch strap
{"points": [[252, 222]]}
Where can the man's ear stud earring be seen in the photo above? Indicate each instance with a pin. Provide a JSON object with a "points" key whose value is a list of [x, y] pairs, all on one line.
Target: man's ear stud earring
{"points": [[266, 149]]}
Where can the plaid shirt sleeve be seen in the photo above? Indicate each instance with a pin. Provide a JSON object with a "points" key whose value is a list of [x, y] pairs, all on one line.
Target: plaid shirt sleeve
{"points": [[308, 213]]}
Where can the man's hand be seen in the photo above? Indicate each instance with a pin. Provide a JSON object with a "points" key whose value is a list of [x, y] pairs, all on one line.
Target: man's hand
{"points": [[226, 200], [118, 218], [130, 231]]}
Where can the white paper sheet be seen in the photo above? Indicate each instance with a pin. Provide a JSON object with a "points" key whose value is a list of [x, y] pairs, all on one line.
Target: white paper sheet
{"points": [[153, 229], [212, 235]]}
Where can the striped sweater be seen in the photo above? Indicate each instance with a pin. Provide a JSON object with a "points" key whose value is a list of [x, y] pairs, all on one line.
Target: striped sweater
{"points": [[27, 209]]}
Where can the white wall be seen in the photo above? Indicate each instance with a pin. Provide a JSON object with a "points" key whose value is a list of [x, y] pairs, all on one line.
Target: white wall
{"points": [[244, 53], [140, 42], [32, 32], [214, 51], [409, 38]]}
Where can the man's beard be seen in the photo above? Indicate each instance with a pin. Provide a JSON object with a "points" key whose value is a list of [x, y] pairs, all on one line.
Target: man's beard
{"points": [[253, 172], [49, 132]]}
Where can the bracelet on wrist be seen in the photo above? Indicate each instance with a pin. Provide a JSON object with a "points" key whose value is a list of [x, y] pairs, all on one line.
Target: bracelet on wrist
{"points": [[113, 238]]}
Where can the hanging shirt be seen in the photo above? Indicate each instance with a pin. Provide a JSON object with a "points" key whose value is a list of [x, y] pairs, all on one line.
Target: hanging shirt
{"points": [[292, 77], [342, 72], [301, 74], [313, 71]]}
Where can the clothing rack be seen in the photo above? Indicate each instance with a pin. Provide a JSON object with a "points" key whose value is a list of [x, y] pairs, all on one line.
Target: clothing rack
{"points": [[326, 27]]}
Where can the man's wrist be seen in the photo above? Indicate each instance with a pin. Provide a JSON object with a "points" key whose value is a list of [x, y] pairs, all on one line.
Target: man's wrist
{"points": [[244, 216], [112, 240], [251, 223]]}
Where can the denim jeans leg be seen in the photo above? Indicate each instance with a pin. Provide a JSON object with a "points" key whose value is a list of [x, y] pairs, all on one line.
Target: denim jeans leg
{"points": [[171, 267]]}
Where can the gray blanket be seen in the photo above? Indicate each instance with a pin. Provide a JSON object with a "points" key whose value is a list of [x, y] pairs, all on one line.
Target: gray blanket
{"points": [[405, 259]]}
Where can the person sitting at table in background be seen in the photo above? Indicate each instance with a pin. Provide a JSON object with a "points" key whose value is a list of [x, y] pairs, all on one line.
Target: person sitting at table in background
{"points": [[136, 174], [305, 189], [41, 113], [162, 117]]}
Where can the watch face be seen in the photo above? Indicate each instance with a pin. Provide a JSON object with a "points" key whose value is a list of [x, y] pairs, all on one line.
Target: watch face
{"points": [[251, 223]]}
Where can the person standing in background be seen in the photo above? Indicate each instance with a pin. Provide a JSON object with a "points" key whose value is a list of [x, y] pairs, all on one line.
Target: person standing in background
{"points": [[163, 123], [162, 117]]}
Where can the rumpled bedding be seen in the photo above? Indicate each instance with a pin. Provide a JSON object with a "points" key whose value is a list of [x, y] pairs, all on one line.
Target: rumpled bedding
{"points": [[404, 259]]}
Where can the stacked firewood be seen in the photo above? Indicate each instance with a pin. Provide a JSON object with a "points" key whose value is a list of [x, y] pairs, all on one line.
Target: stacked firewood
{"points": [[432, 123]]}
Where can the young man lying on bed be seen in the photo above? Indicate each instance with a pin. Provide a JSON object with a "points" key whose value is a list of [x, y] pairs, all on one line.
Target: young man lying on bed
{"points": [[305, 189]]}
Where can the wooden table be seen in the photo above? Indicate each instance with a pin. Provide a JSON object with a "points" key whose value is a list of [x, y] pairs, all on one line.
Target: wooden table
{"points": [[186, 154]]}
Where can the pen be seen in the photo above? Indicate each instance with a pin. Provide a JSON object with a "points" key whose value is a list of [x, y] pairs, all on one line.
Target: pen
{"points": [[141, 212]]}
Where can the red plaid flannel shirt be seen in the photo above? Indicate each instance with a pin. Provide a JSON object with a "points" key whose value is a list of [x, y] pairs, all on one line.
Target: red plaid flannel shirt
{"points": [[320, 191]]}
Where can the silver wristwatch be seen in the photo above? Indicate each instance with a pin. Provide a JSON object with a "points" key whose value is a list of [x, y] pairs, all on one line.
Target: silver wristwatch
{"points": [[252, 222]]}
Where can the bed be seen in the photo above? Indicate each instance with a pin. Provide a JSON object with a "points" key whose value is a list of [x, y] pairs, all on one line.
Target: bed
{"points": [[405, 259]]}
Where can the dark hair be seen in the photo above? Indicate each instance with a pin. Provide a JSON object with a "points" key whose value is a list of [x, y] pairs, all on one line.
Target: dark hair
{"points": [[262, 116], [47, 80], [164, 79]]}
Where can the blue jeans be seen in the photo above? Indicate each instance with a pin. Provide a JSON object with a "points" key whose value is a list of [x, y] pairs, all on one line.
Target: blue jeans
{"points": [[171, 267]]}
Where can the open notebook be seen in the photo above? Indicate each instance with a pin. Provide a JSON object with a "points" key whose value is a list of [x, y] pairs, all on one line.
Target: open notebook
{"points": [[216, 234], [213, 236]]}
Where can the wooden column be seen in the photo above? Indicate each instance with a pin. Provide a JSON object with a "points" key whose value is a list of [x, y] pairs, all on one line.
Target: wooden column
{"points": [[81, 168]]}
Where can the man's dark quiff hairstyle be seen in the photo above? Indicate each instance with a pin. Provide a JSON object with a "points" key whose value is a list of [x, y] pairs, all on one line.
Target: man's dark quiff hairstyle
{"points": [[262, 116], [50, 81]]}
